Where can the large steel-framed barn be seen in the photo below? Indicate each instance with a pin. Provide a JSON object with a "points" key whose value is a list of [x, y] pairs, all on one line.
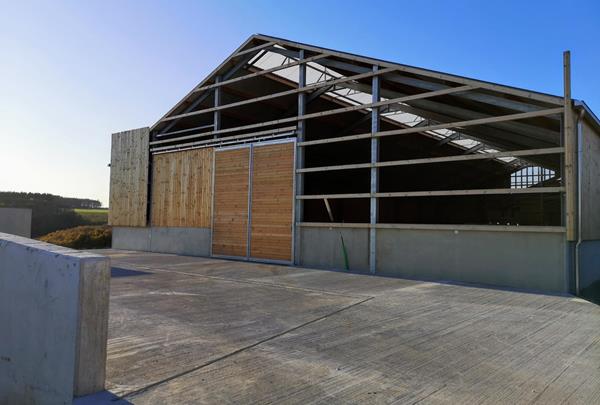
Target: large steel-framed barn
{"points": [[297, 154]]}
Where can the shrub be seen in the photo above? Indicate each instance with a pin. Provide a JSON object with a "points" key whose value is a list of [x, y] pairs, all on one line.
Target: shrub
{"points": [[81, 237]]}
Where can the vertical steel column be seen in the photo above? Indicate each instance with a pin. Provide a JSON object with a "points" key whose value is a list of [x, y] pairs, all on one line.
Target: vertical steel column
{"points": [[217, 114], [301, 129], [374, 174]]}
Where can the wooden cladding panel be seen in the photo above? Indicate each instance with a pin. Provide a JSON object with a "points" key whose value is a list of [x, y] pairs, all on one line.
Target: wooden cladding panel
{"points": [[230, 214], [272, 201], [129, 178], [182, 189]]}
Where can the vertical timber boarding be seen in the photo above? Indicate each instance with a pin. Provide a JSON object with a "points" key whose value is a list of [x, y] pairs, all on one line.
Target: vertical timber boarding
{"points": [[570, 152], [128, 199], [230, 206], [374, 174], [181, 192], [300, 134], [272, 202], [253, 201]]}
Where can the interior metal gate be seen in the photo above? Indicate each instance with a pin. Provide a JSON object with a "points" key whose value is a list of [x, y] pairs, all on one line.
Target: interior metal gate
{"points": [[253, 201]]}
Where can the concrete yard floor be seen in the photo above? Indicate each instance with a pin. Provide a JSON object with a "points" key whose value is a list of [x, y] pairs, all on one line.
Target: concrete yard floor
{"points": [[199, 330]]}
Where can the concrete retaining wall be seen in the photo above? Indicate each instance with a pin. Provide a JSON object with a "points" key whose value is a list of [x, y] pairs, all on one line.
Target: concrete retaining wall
{"points": [[131, 238], [183, 241], [527, 260], [54, 322], [16, 221], [322, 248]]}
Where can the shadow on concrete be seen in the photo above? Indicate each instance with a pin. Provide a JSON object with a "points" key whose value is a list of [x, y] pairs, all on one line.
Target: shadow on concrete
{"points": [[119, 272], [101, 398], [592, 293]]}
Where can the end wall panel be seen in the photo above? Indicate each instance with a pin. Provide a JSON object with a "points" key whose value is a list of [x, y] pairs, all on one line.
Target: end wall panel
{"points": [[182, 189], [129, 178], [272, 201], [230, 216], [590, 184]]}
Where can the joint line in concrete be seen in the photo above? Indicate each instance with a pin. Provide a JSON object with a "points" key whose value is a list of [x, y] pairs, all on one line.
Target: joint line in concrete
{"points": [[238, 351]]}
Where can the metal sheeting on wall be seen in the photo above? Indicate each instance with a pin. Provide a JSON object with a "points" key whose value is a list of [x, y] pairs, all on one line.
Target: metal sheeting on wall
{"points": [[129, 178], [182, 189]]}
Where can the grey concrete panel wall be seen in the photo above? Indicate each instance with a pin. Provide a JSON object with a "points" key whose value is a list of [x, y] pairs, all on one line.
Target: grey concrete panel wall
{"points": [[131, 238], [589, 263], [322, 248], [183, 241], [54, 322], [526, 260], [16, 221]]}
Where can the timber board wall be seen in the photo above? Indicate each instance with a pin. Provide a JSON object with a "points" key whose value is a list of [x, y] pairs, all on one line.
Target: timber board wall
{"points": [[230, 216], [590, 183], [182, 189], [129, 178], [272, 201]]}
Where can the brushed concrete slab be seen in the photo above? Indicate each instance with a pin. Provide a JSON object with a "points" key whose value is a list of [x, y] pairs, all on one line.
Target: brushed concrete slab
{"points": [[197, 330]]}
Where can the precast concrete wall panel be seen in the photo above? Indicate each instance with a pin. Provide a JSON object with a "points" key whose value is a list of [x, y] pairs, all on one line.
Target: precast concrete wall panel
{"points": [[181, 241], [525, 260], [322, 247], [131, 238], [54, 322], [16, 221]]}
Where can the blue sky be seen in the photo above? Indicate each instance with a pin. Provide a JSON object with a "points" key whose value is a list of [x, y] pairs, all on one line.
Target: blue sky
{"points": [[73, 72]]}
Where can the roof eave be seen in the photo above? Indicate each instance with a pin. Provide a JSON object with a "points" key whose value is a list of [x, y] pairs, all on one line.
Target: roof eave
{"points": [[589, 114]]}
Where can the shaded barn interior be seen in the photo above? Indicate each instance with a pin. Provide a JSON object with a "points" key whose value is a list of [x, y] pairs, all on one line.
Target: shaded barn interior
{"points": [[250, 104]]}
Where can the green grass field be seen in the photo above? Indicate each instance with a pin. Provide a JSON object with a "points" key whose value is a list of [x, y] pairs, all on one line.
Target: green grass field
{"points": [[98, 216]]}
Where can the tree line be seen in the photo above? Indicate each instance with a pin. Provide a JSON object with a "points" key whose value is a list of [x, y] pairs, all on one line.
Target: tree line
{"points": [[49, 212]]}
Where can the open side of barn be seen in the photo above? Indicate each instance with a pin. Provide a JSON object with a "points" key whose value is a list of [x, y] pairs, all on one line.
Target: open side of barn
{"points": [[291, 153]]}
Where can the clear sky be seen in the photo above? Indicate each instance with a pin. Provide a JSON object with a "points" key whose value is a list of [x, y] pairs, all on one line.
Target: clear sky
{"points": [[73, 72]]}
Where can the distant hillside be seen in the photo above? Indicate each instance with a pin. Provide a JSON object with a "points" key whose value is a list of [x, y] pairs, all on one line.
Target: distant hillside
{"points": [[29, 200], [50, 212]]}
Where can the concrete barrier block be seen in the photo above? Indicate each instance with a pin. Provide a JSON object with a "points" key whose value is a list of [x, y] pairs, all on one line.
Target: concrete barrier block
{"points": [[54, 321], [16, 221]]}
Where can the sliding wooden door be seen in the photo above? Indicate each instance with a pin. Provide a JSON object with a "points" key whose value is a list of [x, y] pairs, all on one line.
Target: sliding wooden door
{"points": [[253, 207], [272, 199], [230, 204]]}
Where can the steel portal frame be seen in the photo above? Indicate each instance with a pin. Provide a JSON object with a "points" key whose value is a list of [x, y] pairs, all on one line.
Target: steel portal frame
{"points": [[505, 109]]}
